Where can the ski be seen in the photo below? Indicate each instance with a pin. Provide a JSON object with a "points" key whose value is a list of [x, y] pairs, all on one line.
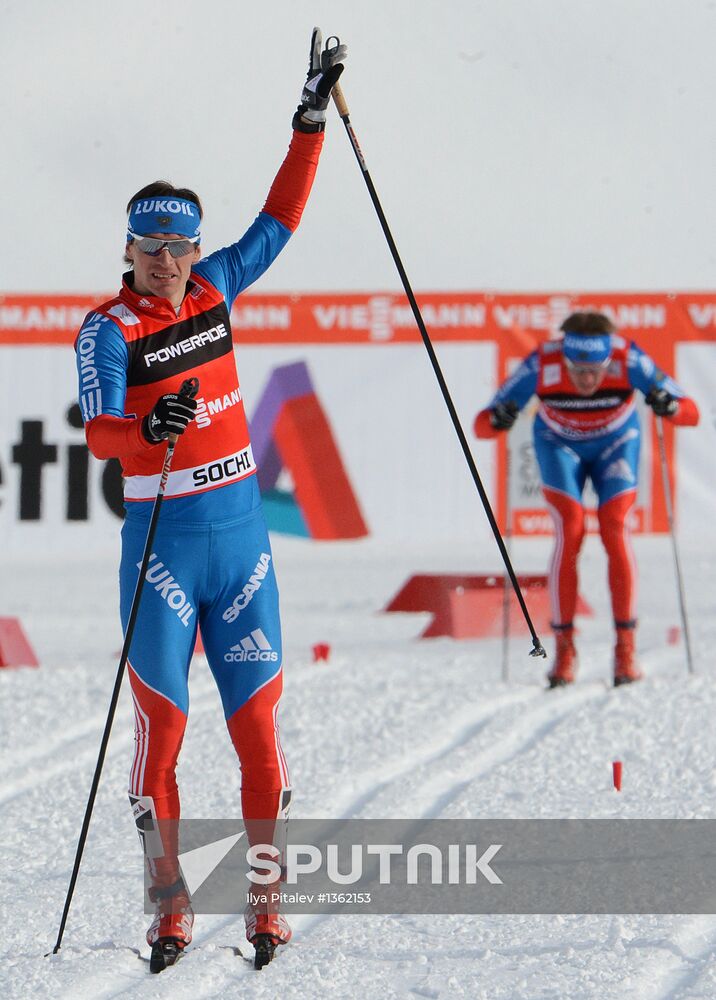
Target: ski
{"points": [[168, 951], [165, 952], [264, 946]]}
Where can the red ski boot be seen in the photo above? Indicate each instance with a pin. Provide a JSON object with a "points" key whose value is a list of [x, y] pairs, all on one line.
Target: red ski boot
{"points": [[565, 661], [170, 931], [626, 669]]}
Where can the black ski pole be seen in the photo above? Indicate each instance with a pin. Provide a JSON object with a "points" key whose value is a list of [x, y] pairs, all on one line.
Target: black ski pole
{"points": [[505, 587], [670, 517], [337, 93], [189, 387]]}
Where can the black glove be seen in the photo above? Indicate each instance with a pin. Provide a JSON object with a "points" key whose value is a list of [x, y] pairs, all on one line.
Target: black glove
{"points": [[324, 68], [172, 414], [503, 415], [662, 403]]}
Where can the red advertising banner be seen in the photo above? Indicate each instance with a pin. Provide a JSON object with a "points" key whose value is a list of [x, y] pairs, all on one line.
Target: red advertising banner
{"points": [[516, 323], [386, 317]]}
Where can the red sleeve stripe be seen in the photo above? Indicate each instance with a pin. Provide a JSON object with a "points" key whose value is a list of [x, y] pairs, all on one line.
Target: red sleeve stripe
{"points": [[292, 184], [482, 427], [687, 414], [115, 437]]}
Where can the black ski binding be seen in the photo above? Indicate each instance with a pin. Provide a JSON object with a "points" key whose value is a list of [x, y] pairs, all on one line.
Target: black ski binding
{"points": [[265, 947], [165, 952], [556, 682]]}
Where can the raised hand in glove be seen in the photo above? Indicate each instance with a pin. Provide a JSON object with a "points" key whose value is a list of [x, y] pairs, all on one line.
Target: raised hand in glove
{"points": [[503, 415], [324, 68], [172, 414], [662, 402]]}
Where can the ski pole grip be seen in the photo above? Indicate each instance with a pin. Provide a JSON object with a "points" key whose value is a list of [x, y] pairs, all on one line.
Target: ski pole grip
{"points": [[339, 100], [189, 387]]}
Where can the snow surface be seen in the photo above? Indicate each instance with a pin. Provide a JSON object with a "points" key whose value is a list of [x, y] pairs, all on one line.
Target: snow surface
{"points": [[390, 727]]}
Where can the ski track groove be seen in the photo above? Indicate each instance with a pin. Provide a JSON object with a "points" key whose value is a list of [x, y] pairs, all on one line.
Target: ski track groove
{"points": [[470, 719], [687, 945], [531, 730], [87, 727], [534, 726], [25, 779], [138, 978]]}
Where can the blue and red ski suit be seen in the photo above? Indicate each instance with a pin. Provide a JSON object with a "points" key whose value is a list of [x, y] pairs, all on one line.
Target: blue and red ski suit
{"points": [[211, 564], [596, 437]]}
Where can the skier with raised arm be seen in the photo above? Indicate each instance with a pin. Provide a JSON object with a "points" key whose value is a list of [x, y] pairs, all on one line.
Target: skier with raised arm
{"points": [[171, 320]]}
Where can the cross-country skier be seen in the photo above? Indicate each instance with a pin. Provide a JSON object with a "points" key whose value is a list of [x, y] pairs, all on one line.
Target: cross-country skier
{"points": [[211, 563], [587, 427]]}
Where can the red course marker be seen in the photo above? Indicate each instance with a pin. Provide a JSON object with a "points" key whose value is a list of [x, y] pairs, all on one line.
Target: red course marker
{"points": [[673, 635], [321, 651], [617, 774]]}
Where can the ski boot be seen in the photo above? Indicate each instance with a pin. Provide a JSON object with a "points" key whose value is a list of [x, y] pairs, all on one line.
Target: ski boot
{"points": [[626, 669], [565, 661], [265, 931], [170, 931]]}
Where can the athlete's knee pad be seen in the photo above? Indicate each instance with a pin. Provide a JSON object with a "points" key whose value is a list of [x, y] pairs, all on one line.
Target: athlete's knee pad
{"points": [[159, 839], [145, 818]]}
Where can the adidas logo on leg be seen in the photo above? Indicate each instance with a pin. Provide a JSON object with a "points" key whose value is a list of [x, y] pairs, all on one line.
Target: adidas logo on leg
{"points": [[254, 648]]}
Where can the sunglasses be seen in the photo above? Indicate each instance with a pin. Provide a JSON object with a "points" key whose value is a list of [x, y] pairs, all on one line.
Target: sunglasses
{"points": [[587, 369], [177, 248]]}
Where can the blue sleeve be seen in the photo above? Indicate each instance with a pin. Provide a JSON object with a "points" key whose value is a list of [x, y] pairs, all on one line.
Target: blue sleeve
{"points": [[520, 385], [102, 362], [234, 268], [645, 375]]}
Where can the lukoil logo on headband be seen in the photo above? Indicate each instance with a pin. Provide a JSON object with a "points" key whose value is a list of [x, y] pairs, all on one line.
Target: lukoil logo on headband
{"points": [[175, 207]]}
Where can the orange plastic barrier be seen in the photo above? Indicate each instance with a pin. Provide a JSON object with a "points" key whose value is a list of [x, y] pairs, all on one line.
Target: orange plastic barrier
{"points": [[472, 607], [15, 649]]}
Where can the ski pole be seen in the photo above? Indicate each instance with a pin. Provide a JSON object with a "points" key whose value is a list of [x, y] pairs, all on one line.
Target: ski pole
{"points": [[505, 587], [340, 102], [668, 500], [189, 387]]}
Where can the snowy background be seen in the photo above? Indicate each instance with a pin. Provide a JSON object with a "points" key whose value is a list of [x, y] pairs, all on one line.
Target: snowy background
{"points": [[515, 146]]}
